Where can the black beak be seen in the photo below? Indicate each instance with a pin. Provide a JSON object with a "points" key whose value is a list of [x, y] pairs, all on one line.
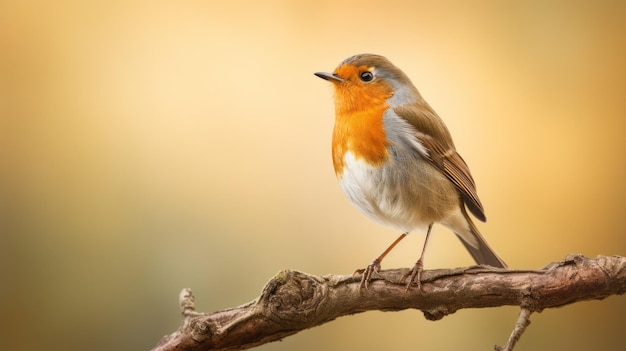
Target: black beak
{"points": [[331, 77]]}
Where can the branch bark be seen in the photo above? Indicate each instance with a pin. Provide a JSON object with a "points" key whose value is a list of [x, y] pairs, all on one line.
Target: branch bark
{"points": [[293, 301]]}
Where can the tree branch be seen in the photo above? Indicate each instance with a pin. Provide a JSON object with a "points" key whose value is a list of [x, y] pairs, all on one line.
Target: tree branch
{"points": [[293, 301]]}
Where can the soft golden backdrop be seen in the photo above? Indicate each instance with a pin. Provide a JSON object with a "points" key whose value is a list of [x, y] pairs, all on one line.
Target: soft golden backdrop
{"points": [[150, 146]]}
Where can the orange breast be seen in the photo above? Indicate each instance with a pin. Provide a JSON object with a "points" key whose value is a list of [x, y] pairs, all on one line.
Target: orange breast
{"points": [[360, 130]]}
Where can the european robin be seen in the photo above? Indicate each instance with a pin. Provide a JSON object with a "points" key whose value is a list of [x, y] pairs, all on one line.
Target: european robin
{"points": [[396, 161]]}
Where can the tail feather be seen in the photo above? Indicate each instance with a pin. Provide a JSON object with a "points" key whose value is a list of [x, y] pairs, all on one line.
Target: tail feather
{"points": [[482, 253]]}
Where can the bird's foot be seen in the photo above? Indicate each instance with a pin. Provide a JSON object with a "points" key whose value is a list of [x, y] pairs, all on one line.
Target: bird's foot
{"points": [[415, 276], [367, 273]]}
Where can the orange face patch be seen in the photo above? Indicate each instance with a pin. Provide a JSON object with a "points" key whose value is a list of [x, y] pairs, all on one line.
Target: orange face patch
{"points": [[359, 108]]}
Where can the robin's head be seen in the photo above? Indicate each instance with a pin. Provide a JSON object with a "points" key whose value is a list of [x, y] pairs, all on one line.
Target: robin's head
{"points": [[369, 79]]}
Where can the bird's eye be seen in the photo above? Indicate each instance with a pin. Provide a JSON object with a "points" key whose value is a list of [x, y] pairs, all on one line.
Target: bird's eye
{"points": [[366, 76]]}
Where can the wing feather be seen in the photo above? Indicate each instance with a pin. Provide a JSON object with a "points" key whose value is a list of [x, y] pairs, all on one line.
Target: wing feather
{"points": [[452, 165], [438, 148]]}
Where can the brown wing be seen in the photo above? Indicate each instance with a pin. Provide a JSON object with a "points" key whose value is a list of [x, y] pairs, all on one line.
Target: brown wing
{"points": [[450, 163]]}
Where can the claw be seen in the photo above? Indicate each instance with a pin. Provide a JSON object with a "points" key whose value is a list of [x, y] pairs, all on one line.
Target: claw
{"points": [[367, 273], [416, 272]]}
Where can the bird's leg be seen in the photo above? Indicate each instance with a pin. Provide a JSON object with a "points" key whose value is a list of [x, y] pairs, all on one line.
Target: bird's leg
{"points": [[375, 265], [418, 268]]}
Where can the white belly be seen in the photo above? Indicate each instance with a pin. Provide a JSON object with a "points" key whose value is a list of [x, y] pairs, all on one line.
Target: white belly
{"points": [[384, 195]]}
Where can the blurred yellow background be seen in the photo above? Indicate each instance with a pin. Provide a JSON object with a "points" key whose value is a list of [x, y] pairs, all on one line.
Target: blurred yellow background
{"points": [[150, 146]]}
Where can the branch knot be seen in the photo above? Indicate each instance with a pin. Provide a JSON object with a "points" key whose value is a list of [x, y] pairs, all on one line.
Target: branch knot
{"points": [[292, 298]]}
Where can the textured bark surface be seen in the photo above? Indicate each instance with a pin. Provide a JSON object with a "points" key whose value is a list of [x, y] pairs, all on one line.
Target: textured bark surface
{"points": [[293, 301]]}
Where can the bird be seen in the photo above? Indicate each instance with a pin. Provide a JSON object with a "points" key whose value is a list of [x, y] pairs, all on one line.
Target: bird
{"points": [[395, 160]]}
